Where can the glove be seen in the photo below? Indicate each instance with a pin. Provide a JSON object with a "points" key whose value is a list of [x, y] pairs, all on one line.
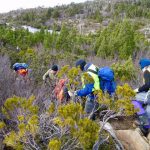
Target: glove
{"points": [[136, 90], [72, 94]]}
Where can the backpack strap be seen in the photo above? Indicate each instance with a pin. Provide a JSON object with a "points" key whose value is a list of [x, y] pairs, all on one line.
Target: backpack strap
{"points": [[90, 70], [95, 72]]}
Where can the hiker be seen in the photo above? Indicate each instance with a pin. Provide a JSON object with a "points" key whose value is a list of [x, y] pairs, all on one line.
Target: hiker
{"points": [[142, 91], [143, 96], [98, 78], [21, 69], [50, 75], [88, 86], [61, 91]]}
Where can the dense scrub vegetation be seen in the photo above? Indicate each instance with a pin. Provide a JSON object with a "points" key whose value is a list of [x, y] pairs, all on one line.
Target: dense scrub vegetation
{"points": [[30, 115], [39, 122]]}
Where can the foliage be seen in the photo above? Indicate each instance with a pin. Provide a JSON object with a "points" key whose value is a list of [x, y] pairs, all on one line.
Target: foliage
{"points": [[85, 130], [125, 71], [70, 41], [74, 9], [2, 125], [54, 144], [49, 12], [40, 17], [96, 16], [125, 94], [72, 75], [138, 9], [87, 133], [121, 102], [67, 41], [56, 13], [25, 115], [60, 126], [32, 123], [118, 40], [29, 126]]}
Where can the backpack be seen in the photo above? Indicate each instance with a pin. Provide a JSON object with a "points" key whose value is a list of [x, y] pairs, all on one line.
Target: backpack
{"points": [[107, 83], [106, 77], [22, 72], [60, 91], [18, 66], [142, 115]]}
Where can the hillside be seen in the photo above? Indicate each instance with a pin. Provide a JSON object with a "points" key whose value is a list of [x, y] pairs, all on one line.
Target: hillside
{"points": [[37, 112], [87, 17]]}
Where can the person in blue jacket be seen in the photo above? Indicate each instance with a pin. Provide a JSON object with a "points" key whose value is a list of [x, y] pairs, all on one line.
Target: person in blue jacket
{"points": [[90, 83]]}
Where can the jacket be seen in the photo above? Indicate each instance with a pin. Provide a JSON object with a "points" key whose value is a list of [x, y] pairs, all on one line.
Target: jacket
{"points": [[48, 74], [146, 78], [89, 87]]}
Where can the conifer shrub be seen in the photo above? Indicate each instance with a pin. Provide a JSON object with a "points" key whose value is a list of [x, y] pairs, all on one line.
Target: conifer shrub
{"points": [[125, 71], [62, 126]]}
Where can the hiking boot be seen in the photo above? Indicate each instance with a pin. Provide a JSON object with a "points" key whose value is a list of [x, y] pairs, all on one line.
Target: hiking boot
{"points": [[142, 131], [141, 134], [93, 117], [139, 131]]}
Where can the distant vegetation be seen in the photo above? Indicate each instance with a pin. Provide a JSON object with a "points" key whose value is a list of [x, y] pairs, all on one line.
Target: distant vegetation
{"points": [[119, 39], [95, 10]]}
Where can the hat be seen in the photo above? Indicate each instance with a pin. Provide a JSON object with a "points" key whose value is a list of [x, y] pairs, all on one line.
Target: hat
{"points": [[54, 68], [81, 63], [144, 62]]}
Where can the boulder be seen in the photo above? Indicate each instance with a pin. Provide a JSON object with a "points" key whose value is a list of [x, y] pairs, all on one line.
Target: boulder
{"points": [[132, 140], [148, 138]]}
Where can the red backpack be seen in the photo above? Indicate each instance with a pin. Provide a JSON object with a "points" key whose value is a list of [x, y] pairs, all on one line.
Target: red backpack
{"points": [[59, 90]]}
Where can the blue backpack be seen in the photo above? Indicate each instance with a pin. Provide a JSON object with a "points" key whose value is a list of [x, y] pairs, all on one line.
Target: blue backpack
{"points": [[18, 66], [107, 83]]}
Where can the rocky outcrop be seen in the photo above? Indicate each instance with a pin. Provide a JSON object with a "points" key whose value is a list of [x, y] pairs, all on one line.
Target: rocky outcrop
{"points": [[133, 140], [148, 138]]}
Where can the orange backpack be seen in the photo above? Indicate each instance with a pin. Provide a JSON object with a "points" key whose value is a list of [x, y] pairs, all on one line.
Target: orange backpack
{"points": [[22, 72], [59, 90]]}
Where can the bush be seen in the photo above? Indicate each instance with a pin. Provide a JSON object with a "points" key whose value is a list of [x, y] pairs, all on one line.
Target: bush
{"points": [[125, 71]]}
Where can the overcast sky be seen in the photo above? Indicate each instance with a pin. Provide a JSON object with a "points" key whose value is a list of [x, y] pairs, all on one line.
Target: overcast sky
{"points": [[8, 5]]}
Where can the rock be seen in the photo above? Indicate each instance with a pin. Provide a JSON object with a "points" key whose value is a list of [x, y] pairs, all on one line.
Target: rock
{"points": [[132, 140], [148, 137]]}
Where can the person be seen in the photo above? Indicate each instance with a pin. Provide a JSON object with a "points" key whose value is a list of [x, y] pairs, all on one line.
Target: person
{"points": [[142, 91], [50, 75], [143, 96], [90, 84], [21, 69]]}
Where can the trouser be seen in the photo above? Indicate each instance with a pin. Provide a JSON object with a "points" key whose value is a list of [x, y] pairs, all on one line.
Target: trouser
{"points": [[91, 105], [142, 102], [66, 95], [142, 97]]}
